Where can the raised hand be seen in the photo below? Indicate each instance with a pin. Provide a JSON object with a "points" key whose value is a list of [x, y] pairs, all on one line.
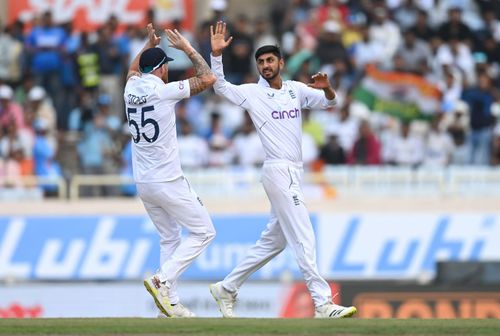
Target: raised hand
{"points": [[320, 81], [153, 40], [178, 41], [218, 38]]}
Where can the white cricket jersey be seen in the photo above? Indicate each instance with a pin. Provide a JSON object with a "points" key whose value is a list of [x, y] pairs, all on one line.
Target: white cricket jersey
{"points": [[276, 114], [149, 106]]}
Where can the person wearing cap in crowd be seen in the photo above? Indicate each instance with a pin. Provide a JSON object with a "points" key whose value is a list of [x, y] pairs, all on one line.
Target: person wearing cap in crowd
{"points": [[9, 110], [41, 107], [275, 107], [168, 198]]}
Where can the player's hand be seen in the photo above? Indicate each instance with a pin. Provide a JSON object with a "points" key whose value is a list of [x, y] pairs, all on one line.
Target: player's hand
{"points": [[177, 41], [320, 81], [153, 40], [218, 38]]}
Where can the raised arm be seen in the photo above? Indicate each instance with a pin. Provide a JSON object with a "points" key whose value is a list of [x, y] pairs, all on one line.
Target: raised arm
{"points": [[234, 93], [204, 77], [153, 41]]}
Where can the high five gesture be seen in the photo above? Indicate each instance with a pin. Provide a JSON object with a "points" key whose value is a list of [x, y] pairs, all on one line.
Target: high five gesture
{"points": [[218, 38]]}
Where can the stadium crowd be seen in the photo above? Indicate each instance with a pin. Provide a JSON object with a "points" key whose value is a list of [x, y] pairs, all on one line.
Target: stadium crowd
{"points": [[61, 109]]}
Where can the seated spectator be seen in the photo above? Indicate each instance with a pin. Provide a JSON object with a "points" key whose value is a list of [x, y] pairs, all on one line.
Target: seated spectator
{"points": [[407, 148], [330, 48], [218, 142], [348, 128], [248, 150], [41, 106], [331, 152], [413, 52], [9, 110], [458, 128], [366, 149], [438, 145], [193, 149]]}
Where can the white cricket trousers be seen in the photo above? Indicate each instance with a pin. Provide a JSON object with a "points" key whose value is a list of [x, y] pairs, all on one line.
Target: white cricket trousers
{"points": [[289, 223], [171, 206]]}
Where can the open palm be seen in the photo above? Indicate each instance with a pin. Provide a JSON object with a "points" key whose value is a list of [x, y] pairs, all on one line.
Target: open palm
{"points": [[218, 38]]}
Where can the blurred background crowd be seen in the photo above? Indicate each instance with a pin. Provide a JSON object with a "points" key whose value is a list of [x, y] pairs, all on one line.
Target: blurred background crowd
{"points": [[61, 90]]}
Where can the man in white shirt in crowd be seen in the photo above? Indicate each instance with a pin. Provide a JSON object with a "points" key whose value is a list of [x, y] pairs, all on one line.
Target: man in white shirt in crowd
{"points": [[275, 108], [167, 196]]}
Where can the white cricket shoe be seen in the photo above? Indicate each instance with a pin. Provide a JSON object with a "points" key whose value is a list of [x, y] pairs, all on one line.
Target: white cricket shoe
{"points": [[225, 300], [178, 310], [159, 292], [331, 310]]}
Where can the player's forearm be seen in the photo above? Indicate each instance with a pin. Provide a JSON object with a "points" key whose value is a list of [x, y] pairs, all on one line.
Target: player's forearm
{"points": [[204, 77], [329, 93]]}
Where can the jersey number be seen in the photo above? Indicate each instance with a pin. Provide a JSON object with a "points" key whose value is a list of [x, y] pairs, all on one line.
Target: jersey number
{"points": [[144, 122]]}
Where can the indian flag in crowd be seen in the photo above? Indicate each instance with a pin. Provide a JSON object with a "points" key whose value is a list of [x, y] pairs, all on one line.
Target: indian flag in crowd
{"points": [[403, 95]]}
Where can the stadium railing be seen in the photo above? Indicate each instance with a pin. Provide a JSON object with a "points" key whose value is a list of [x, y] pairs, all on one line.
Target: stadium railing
{"points": [[245, 182]]}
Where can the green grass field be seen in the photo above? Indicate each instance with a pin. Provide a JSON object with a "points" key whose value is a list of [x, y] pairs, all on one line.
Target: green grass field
{"points": [[206, 326]]}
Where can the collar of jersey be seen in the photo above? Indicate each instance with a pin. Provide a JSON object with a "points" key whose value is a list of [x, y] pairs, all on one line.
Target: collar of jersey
{"points": [[152, 77], [265, 83]]}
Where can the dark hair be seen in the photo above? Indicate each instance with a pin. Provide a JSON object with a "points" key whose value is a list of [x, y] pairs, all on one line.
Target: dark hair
{"points": [[273, 49]]}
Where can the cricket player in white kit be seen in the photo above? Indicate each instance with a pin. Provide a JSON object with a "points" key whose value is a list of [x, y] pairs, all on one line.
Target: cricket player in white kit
{"points": [[161, 185], [275, 108]]}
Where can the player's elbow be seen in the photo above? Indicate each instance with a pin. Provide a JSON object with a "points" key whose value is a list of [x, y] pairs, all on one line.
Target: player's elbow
{"points": [[209, 79]]}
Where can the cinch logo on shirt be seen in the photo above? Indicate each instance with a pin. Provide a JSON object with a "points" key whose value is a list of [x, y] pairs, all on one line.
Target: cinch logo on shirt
{"points": [[286, 114]]}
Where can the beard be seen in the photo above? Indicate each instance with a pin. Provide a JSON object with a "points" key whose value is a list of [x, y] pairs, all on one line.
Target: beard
{"points": [[270, 75]]}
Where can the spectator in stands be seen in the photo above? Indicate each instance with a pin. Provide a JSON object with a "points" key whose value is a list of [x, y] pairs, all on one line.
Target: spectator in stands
{"points": [[112, 122], [45, 44], [438, 145], [239, 53], [457, 55], [413, 52], [406, 14], [41, 107], [83, 113], [455, 29], [262, 36], [367, 51], [458, 129], [348, 127], [385, 32], [9, 110], [193, 149], [407, 148], [247, 147], [218, 142], [421, 28], [366, 149], [110, 67], [330, 48], [86, 58], [479, 99], [495, 148], [12, 57], [95, 152], [331, 152], [44, 153]]}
